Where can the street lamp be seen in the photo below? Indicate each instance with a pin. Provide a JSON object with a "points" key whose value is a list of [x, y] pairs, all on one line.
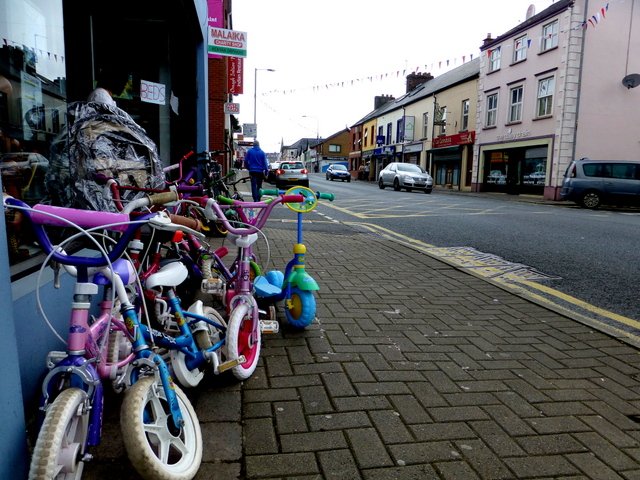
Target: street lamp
{"points": [[255, 91]]}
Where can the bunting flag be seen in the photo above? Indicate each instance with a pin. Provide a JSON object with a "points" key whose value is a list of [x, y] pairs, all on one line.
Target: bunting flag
{"points": [[594, 20]]}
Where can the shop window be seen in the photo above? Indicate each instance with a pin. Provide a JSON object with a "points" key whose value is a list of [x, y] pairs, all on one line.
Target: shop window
{"points": [[492, 110], [497, 168], [545, 96], [534, 170], [32, 108], [550, 36], [515, 107], [520, 46]]}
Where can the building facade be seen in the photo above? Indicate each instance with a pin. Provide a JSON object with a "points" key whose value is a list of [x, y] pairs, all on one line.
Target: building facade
{"points": [[148, 66]]}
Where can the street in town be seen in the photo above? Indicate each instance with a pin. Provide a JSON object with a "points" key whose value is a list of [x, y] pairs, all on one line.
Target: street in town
{"points": [[414, 369]]}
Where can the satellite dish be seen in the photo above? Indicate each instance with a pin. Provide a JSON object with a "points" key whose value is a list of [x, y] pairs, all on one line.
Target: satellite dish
{"points": [[631, 81], [531, 11]]}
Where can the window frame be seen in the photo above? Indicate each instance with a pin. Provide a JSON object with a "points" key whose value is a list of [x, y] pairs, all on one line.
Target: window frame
{"points": [[464, 121], [517, 106], [335, 148], [425, 126], [520, 52], [494, 59], [547, 100], [491, 118], [550, 40]]}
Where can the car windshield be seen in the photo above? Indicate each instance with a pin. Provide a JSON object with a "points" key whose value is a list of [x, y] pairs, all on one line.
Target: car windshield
{"points": [[408, 167], [339, 167]]}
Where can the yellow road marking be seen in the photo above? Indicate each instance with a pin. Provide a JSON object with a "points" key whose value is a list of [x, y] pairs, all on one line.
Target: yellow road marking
{"points": [[519, 284]]}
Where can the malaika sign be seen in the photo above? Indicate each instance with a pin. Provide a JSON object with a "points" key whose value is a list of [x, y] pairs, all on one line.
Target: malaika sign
{"points": [[228, 43]]}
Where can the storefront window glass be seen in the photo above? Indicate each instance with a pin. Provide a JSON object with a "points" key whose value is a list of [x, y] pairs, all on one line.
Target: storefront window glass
{"points": [[32, 105], [535, 166], [498, 168]]}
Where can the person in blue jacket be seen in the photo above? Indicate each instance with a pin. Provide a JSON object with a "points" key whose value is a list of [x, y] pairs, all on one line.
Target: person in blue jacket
{"points": [[256, 162]]}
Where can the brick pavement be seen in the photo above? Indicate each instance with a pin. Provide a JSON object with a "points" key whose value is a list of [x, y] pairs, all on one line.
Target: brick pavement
{"points": [[416, 370]]}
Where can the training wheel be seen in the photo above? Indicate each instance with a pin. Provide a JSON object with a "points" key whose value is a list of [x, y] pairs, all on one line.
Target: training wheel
{"points": [[310, 200]]}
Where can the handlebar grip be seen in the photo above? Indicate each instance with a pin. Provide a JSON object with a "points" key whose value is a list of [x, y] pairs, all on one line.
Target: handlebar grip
{"points": [[225, 200], [293, 198], [162, 198], [269, 192], [326, 196], [192, 223]]}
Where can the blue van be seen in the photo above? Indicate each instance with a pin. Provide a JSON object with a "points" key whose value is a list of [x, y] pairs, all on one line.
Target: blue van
{"points": [[591, 183]]}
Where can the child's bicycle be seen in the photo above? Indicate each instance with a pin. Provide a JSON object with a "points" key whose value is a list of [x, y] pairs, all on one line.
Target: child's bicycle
{"points": [[295, 286], [199, 336], [160, 429]]}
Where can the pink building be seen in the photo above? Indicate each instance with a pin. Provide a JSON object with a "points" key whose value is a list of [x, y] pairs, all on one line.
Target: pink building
{"points": [[551, 90]]}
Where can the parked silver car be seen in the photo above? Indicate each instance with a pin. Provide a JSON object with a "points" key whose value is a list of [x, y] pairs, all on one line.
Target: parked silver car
{"points": [[591, 183], [405, 175], [291, 174]]}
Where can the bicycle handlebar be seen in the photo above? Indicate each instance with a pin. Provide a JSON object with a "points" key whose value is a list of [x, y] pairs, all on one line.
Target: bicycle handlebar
{"points": [[41, 215], [213, 211], [325, 196]]}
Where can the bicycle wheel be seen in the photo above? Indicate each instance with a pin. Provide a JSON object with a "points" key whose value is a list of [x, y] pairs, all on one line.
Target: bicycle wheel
{"points": [[206, 338], [303, 309], [119, 349], [155, 448], [243, 338], [62, 439]]}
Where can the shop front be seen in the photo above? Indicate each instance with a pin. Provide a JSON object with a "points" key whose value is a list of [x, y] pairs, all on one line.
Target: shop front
{"points": [[412, 152], [452, 160], [515, 168], [53, 56], [383, 156]]}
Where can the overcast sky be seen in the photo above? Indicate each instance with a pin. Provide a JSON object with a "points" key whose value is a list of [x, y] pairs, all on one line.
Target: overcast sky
{"points": [[331, 58]]}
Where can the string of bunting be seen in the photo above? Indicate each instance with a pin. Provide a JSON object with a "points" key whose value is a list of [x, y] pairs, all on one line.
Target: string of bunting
{"points": [[592, 21], [6, 43]]}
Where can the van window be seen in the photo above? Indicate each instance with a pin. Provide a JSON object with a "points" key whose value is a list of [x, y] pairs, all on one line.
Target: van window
{"points": [[592, 169], [623, 170]]}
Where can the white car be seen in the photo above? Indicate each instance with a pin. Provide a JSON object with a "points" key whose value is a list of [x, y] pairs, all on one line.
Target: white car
{"points": [[405, 175]]}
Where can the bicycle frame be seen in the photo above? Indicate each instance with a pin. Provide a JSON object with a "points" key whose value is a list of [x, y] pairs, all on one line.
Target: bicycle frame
{"points": [[75, 365]]}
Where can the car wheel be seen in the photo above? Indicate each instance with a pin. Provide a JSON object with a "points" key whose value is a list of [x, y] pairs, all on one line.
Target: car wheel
{"points": [[381, 184], [331, 178], [408, 189], [305, 184], [396, 185], [427, 191], [591, 199], [349, 180]]}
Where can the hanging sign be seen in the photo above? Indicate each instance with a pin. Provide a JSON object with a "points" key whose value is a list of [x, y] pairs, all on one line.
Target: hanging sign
{"points": [[228, 43]]}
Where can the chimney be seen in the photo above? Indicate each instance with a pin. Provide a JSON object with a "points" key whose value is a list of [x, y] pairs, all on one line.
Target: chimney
{"points": [[415, 79], [381, 100], [487, 40]]}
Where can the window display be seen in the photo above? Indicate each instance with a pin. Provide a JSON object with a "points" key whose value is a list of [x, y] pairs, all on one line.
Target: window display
{"points": [[32, 105]]}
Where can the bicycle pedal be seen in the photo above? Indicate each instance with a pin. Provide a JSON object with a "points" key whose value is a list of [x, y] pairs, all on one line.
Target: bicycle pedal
{"points": [[269, 326], [232, 363], [212, 286]]}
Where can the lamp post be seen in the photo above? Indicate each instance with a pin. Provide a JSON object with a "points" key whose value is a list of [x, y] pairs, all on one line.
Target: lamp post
{"points": [[255, 91]]}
